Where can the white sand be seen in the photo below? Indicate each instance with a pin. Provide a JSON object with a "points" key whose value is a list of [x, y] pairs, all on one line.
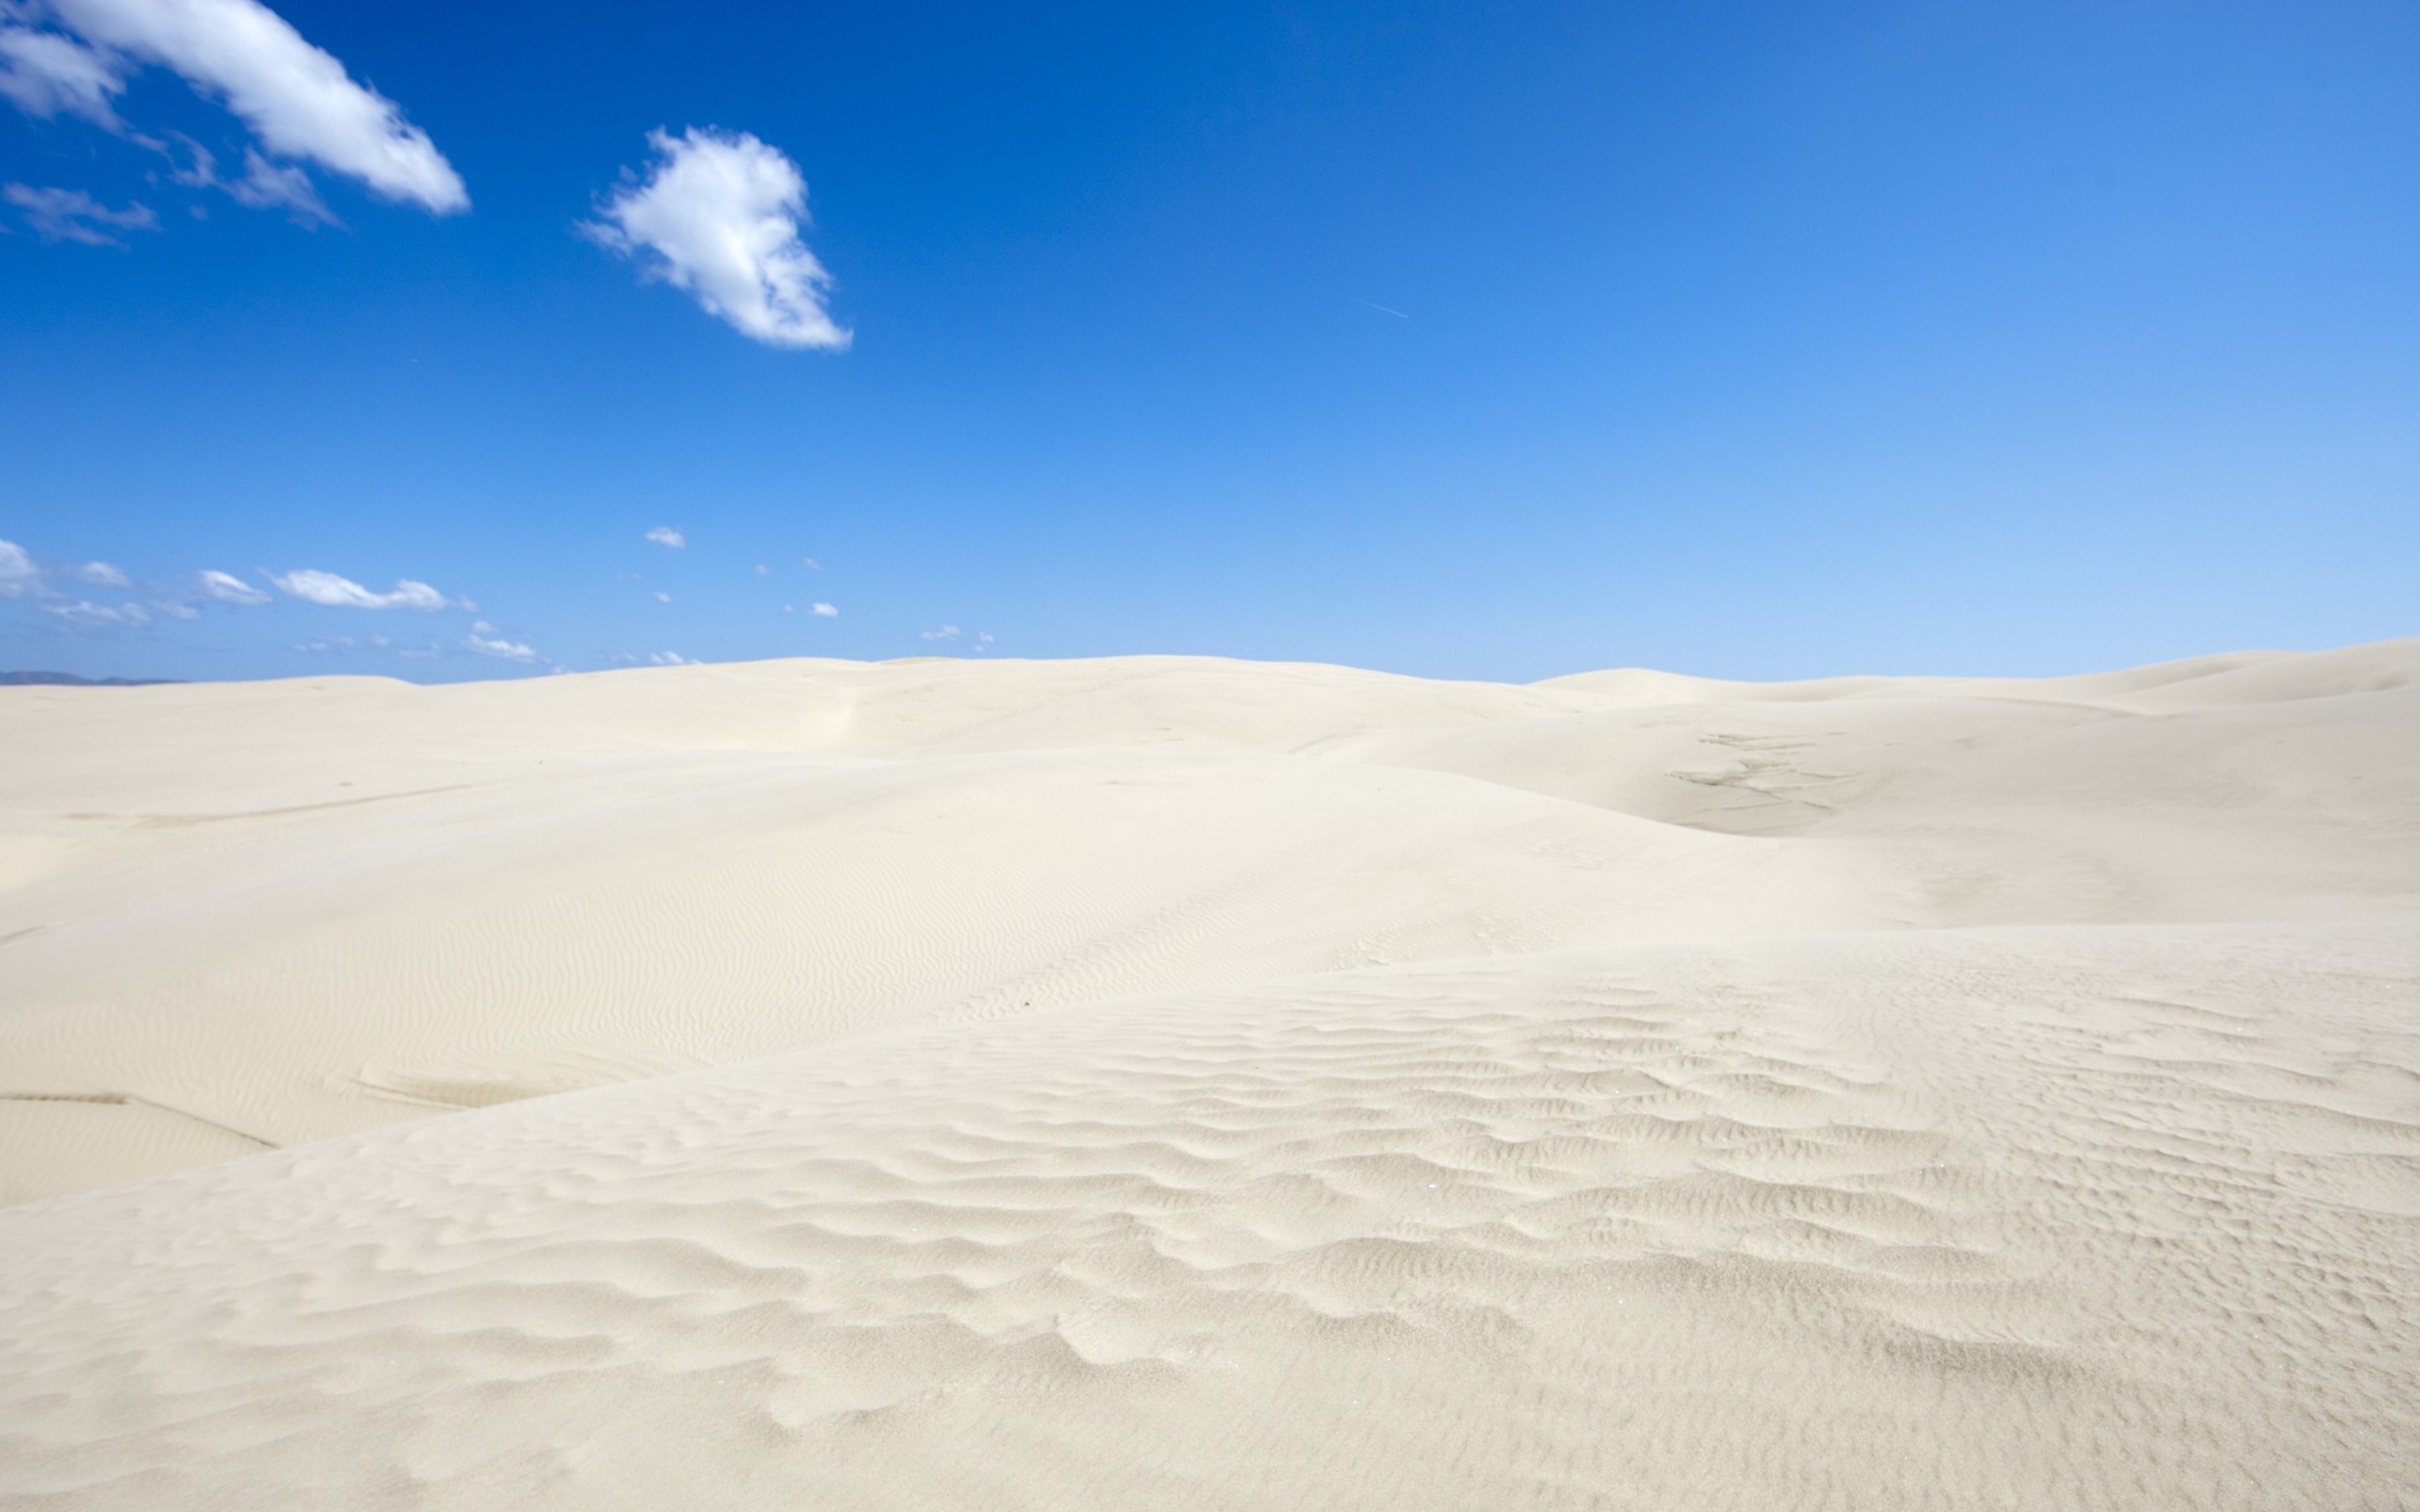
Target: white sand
{"points": [[1169, 1083]]}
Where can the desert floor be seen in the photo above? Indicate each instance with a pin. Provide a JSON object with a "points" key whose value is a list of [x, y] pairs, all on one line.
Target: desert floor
{"points": [[1180, 1083]]}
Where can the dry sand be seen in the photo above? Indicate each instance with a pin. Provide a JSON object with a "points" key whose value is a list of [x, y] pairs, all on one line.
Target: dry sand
{"points": [[1174, 1083]]}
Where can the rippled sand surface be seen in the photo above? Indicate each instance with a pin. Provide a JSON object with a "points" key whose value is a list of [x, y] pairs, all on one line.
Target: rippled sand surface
{"points": [[1163, 1082]]}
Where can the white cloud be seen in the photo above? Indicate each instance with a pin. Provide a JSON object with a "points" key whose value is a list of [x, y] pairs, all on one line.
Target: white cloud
{"points": [[84, 612], [662, 598], [100, 574], [318, 587], [975, 641], [671, 658], [762, 571], [811, 564], [502, 649], [265, 185], [825, 611], [72, 215], [719, 216], [176, 610], [230, 589], [44, 73], [665, 535], [19, 576], [296, 96]]}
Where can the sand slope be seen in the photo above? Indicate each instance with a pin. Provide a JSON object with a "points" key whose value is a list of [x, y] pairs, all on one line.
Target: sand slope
{"points": [[1166, 1082]]}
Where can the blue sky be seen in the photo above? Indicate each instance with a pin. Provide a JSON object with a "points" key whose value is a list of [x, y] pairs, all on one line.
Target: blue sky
{"points": [[1755, 340]]}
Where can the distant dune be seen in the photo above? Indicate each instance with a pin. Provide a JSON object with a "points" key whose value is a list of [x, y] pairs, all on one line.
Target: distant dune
{"points": [[1167, 1082]]}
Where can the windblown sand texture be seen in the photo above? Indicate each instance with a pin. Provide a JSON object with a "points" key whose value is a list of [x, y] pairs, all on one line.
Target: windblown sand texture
{"points": [[1190, 1084]]}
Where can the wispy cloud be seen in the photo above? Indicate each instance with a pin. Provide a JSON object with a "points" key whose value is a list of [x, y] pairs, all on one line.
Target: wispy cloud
{"points": [[265, 185], [671, 658], [296, 98], [825, 611], [666, 536], [154, 609], [22, 576], [46, 74], [72, 215], [316, 586], [719, 215], [19, 576], [227, 588], [86, 612], [977, 642], [662, 598], [499, 648]]}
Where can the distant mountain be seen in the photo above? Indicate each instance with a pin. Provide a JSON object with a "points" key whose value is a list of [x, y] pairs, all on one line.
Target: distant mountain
{"points": [[71, 680]]}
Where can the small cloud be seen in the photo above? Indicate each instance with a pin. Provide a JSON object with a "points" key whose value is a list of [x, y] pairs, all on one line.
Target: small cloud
{"points": [[19, 576], [72, 215], [176, 610], [811, 564], [977, 642], [501, 649], [316, 587], [665, 535], [265, 185], [203, 174], [719, 216], [45, 74], [84, 612], [662, 598], [825, 611], [789, 609], [100, 574], [671, 658], [762, 571], [230, 589]]}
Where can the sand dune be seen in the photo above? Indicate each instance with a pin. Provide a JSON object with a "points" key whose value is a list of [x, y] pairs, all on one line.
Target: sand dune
{"points": [[1174, 1082]]}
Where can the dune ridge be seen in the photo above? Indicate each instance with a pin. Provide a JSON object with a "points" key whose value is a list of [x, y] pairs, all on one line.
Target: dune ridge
{"points": [[1176, 1081]]}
